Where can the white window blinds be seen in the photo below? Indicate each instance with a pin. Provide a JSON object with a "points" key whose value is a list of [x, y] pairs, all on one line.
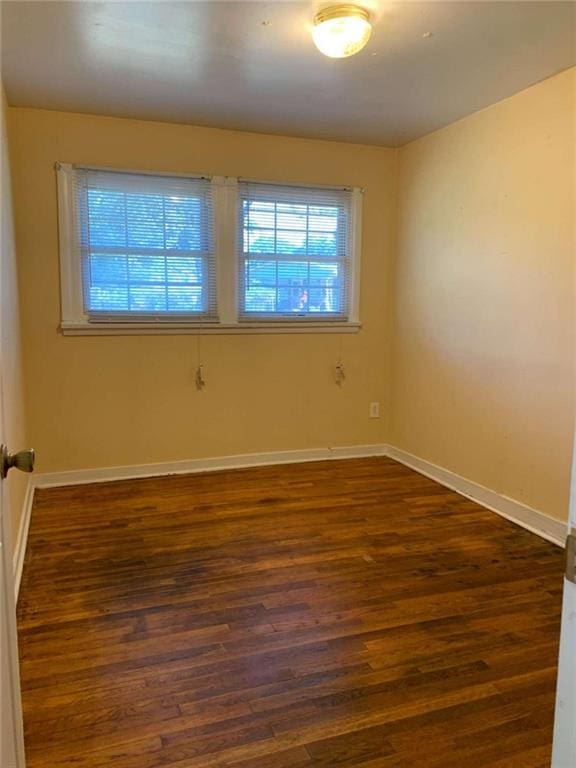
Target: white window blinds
{"points": [[146, 246], [294, 252]]}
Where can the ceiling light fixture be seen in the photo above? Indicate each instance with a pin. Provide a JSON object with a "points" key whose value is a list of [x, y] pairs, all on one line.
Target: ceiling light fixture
{"points": [[341, 30]]}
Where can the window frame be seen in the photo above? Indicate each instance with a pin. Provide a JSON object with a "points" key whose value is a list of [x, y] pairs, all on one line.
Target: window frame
{"points": [[225, 205], [265, 192]]}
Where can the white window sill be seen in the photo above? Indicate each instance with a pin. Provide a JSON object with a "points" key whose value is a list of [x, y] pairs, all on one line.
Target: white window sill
{"points": [[158, 329]]}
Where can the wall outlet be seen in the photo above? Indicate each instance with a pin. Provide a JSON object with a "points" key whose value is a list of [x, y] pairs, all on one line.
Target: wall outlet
{"points": [[374, 410]]}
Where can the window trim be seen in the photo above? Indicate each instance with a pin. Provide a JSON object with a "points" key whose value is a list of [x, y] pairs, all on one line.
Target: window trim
{"points": [[75, 322], [308, 195]]}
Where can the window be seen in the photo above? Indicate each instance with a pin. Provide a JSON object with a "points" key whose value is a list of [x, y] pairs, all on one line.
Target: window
{"points": [[144, 252], [295, 252], [144, 245]]}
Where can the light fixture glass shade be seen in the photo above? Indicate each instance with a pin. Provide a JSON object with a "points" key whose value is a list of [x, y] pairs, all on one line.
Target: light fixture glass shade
{"points": [[341, 31]]}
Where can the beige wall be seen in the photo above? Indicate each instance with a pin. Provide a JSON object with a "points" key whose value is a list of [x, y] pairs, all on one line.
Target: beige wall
{"points": [[109, 401], [483, 357], [12, 425], [473, 317]]}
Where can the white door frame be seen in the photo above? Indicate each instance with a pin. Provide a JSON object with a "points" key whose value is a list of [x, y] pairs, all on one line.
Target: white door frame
{"points": [[564, 748], [11, 730], [11, 724]]}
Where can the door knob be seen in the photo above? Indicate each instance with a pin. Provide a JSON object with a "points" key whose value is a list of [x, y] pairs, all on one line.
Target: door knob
{"points": [[23, 460]]}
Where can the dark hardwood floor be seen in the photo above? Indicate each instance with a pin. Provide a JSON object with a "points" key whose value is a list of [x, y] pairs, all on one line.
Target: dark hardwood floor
{"points": [[342, 613]]}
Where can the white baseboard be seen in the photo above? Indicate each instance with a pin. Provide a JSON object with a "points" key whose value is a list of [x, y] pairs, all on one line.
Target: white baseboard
{"points": [[22, 538], [107, 474], [543, 525]]}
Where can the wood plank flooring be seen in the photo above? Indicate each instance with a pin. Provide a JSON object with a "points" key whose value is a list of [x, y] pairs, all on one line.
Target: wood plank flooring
{"points": [[332, 614]]}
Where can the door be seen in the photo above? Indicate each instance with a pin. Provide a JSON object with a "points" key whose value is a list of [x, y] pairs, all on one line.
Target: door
{"points": [[11, 732], [11, 735], [11, 742], [564, 750]]}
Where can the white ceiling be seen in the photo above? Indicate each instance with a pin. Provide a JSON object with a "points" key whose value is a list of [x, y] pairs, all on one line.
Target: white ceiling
{"points": [[253, 66]]}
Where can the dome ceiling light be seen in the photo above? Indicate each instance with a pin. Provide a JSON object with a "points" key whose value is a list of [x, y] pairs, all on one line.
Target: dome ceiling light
{"points": [[341, 30]]}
